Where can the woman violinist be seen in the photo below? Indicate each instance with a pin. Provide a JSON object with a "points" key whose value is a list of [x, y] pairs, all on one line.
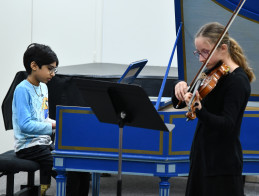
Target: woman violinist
{"points": [[216, 155]]}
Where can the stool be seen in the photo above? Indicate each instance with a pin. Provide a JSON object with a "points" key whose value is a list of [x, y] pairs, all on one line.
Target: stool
{"points": [[10, 164]]}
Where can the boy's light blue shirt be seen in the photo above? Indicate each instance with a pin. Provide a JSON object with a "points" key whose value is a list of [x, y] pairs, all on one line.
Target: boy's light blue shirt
{"points": [[30, 115]]}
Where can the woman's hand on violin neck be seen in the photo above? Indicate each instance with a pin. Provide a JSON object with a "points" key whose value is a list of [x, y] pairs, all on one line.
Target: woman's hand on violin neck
{"points": [[197, 103], [180, 90]]}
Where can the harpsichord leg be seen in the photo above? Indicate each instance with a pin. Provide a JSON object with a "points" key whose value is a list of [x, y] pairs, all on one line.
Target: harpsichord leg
{"points": [[164, 186], [95, 184], [61, 183]]}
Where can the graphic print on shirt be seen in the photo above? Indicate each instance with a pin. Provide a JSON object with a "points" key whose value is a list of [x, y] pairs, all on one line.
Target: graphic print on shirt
{"points": [[45, 107]]}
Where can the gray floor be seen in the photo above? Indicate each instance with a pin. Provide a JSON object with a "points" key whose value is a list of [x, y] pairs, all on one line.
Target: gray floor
{"points": [[132, 185]]}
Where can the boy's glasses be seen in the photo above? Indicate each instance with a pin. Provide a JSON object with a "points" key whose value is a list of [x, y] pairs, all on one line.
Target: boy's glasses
{"points": [[203, 53], [53, 69]]}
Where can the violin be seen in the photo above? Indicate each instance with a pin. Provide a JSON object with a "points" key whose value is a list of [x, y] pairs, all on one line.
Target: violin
{"points": [[204, 83], [208, 83]]}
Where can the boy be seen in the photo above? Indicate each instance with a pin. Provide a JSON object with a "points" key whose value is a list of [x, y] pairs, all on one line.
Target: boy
{"points": [[31, 124]]}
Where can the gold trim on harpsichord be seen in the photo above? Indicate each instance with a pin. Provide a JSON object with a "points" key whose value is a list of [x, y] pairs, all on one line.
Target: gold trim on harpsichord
{"points": [[240, 15], [170, 152], [250, 152], [183, 41], [252, 115], [61, 111], [62, 147]]}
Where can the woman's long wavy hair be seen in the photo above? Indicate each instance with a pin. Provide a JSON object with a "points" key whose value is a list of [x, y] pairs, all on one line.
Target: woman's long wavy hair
{"points": [[213, 31]]}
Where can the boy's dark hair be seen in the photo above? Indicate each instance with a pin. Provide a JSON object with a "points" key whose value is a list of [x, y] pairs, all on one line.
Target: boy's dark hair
{"points": [[40, 54]]}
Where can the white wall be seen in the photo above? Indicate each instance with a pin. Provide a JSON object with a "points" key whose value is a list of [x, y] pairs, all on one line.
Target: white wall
{"points": [[15, 34], [68, 26], [138, 29], [83, 31]]}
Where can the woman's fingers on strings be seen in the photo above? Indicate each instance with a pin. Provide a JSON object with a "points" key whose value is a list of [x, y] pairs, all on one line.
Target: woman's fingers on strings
{"points": [[198, 103]]}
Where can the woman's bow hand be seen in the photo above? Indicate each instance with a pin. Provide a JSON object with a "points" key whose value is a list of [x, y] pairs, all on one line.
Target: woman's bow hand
{"points": [[180, 90]]}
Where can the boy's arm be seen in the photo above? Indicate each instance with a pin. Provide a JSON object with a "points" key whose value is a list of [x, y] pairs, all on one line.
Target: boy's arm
{"points": [[53, 123], [24, 116]]}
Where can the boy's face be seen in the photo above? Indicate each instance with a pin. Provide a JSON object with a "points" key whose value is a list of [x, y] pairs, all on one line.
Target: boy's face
{"points": [[46, 73]]}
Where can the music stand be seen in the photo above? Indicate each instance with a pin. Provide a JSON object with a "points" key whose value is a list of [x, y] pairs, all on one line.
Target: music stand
{"points": [[120, 104]]}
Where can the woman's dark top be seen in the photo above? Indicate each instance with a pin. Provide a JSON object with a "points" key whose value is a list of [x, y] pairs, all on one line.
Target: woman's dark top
{"points": [[216, 144]]}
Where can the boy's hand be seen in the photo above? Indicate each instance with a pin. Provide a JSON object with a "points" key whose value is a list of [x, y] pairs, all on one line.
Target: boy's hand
{"points": [[53, 125]]}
